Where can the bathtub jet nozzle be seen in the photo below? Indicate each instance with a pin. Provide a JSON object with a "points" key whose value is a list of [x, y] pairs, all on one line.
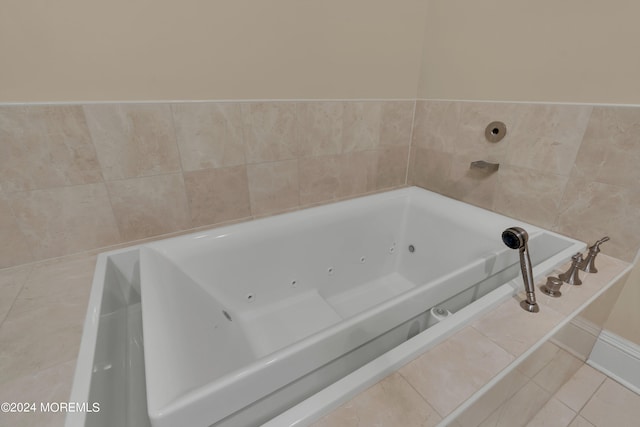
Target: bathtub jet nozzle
{"points": [[516, 238]]}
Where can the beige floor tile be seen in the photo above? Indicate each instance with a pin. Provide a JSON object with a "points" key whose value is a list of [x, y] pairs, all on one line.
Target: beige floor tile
{"points": [[553, 414], [558, 371], [47, 386], [391, 402], [578, 390], [613, 405], [454, 370], [538, 359], [580, 422], [11, 282], [492, 399], [521, 408]]}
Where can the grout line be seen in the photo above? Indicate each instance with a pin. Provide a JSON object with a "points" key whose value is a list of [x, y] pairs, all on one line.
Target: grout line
{"points": [[413, 124]]}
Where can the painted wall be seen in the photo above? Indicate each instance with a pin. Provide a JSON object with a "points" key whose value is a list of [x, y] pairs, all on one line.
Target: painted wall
{"points": [[78, 50], [516, 50]]}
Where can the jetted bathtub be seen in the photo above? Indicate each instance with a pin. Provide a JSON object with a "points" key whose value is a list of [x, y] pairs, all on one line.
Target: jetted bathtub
{"points": [[241, 323]]}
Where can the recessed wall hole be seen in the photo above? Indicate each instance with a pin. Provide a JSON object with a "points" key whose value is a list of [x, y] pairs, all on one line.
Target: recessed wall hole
{"points": [[294, 283], [363, 260], [227, 315], [412, 248], [495, 131], [250, 297], [330, 271]]}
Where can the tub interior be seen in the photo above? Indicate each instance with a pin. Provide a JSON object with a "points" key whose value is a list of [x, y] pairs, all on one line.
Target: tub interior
{"points": [[291, 293]]}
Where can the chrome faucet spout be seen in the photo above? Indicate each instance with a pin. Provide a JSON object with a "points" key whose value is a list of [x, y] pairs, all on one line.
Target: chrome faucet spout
{"points": [[516, 238]]}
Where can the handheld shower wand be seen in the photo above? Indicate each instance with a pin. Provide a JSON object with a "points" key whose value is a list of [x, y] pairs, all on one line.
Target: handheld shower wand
{"points": [[516, 238]]}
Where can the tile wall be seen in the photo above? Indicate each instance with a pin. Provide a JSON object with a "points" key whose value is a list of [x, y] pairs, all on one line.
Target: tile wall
{"points": [[570, 168], [79, 177]]}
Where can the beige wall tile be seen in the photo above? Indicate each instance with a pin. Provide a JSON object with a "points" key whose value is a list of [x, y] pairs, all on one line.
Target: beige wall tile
{"points": [[547, 137], [474, 118], [14, 249], [391, 167], [269, 131], [333, 177], [209, 134], [65, 220], [529, 195], [319, 128], [389, 403], [436, 125], [610, 152], [150, 206], [437, 375], [431, 169], [133, 140], [395, 124], [217, 195], [590, 210], [273, 187], [45, 146], [361, 125], [473, 186]]}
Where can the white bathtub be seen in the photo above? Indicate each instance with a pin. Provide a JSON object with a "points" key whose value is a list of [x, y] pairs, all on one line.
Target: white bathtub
{"points": [[243, 322]]}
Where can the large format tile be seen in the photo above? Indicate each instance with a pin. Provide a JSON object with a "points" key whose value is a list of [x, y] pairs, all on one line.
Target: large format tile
{"points": [[269, 131], [515, 329], [361, 124], [14, 249], [578, 390], [558, 371], [529, 195], [44, 147], [610, 152], [319, 128], [396, 120], [520, 409], [11, 282], [451, 372], [553, 414], [65, 220], [150, 206], [273, 187], [613, 405], [436, 124], [133, 140], [547, 137], [217, 195], [391, 402], [391, 167], [590, 210], [46, 386], [327, 178], [209, 134], [431, 169]]}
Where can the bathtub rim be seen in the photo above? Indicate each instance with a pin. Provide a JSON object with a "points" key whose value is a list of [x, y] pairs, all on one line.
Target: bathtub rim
{"points": [[82, 377]]}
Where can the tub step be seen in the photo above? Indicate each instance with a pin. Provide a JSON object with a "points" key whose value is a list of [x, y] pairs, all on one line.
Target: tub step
{"points": [[367, 295], [270, 328]]}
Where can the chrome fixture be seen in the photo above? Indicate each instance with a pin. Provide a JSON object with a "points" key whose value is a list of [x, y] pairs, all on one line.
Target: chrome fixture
{"points": [[516, 238], [571, 276], [552, 287], [588, 265], [495, 131], [485, 166]]}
